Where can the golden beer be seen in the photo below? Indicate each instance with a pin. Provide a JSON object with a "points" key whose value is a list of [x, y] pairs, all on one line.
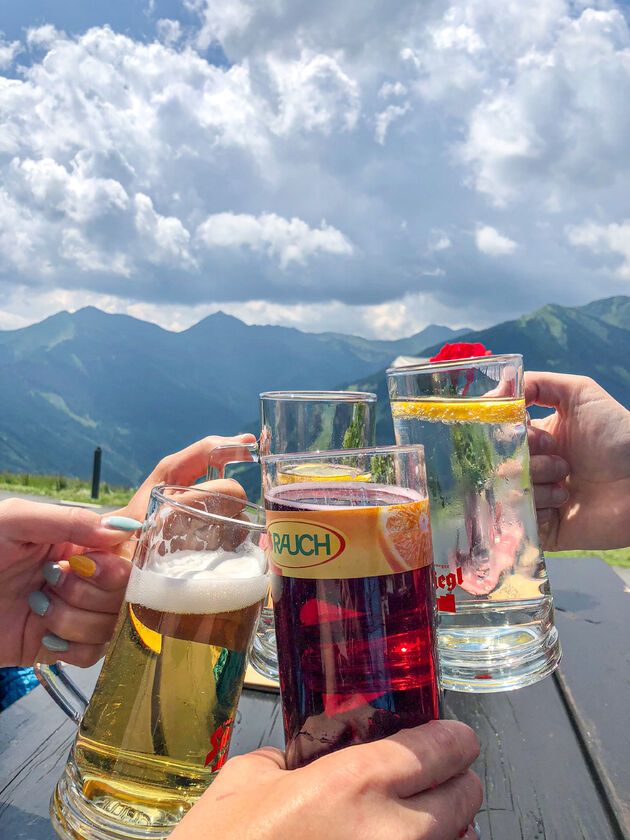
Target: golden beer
{"points": [[158, 726]]}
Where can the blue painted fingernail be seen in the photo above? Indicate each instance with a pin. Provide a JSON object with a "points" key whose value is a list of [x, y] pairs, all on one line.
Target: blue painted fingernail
{"points": [[55, 643], [51, 572], [38, 602], [121, 523]]}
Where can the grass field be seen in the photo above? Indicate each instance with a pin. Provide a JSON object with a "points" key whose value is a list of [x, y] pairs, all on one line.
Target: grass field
{"points": [[62, 487], [614, 557]]}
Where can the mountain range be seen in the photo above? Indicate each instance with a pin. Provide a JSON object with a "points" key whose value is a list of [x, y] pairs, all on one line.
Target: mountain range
{"points": [[76, 381], [592, 340]]}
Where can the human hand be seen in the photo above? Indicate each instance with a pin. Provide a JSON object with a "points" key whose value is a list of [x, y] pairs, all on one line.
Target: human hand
{"points": [[580, 459], [416, 784], [184, 468], [46, 611], [62, 578]]}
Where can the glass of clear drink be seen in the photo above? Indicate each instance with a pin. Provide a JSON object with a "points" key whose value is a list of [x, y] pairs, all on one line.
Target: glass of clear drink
{"points": [[496, 619], [158, 726], [302, 421], [352, 586]]}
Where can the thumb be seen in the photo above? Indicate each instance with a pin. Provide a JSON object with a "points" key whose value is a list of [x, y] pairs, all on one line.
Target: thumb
{"points": [[253, 768]]}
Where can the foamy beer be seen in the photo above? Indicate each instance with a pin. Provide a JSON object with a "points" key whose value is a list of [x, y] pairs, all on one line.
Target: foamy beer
{"points": [[158, 726]]}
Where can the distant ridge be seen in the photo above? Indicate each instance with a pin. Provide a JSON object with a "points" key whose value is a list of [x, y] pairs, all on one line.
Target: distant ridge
{"points": [[79, 380], [592, 340]]}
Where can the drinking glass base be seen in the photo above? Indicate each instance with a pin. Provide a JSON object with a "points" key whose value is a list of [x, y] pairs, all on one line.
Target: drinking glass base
{"points": [[496, 658], [109, 818]]}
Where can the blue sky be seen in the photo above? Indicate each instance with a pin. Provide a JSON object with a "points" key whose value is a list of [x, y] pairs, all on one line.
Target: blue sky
{"points": [[361, 167]]}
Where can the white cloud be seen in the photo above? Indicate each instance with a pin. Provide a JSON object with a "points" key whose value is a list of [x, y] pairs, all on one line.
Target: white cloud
{"points": [[313, 92], [386, 118], [390, 89], [490, 241], [555, 122], [137, 170], [611, 239], [286, 240], [8, 51], [439, 241], [169, 31]]}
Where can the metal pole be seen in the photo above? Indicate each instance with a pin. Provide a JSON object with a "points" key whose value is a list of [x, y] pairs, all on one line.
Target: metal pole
{"points": [[96, 471]]}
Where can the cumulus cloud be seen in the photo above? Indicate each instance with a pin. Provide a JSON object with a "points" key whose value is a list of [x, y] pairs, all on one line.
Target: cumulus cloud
{"points": [[195, 165], [611, 239], [386, 118], [490, 241], [287, 240]]}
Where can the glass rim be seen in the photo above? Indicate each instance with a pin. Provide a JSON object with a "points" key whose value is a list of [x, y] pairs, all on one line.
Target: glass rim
{"points": [[319, 396], [329, 454], [157, 492], [445, 364]]}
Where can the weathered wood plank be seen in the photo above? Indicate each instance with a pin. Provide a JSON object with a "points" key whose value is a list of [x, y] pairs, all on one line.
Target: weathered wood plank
{"points": [[35, 738], [537, 784], [593, 619]]}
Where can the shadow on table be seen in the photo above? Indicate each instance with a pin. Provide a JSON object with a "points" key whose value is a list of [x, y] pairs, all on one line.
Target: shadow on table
{"points": [[20, 825]]}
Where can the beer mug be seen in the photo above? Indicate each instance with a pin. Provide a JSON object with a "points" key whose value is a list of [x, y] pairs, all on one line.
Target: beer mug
{"points": [[496, 620], [158, 726], [351, 569], [302, 421]]}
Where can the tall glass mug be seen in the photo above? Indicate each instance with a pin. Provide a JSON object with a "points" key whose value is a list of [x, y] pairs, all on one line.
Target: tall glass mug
{"points": [[158, 726], [351, 582], [303, 421], [496, 620]]}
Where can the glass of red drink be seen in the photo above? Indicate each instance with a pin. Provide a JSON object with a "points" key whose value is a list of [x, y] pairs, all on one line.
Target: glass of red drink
{"points": [[351, 567]]}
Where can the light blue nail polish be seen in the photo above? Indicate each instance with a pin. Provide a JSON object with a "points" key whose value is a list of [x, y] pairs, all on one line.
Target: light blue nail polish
{"points": [[121, 523], [38, 602], [55, 643], [51, 572]]}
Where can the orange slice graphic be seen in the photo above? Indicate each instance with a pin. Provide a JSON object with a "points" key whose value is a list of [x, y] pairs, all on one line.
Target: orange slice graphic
{"points": [[149, 637], [404, 535]]}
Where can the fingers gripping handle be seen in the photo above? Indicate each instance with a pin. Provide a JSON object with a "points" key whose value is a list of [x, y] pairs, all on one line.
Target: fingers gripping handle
{"points": [[63, 690], [231, 453]]}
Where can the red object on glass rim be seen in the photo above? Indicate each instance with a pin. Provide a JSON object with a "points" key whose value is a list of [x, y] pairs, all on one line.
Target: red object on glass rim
{"points": [[461, 350]]}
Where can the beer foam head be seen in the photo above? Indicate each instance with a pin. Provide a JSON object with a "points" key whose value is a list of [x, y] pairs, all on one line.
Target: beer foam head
{"points": [[200, 581]]}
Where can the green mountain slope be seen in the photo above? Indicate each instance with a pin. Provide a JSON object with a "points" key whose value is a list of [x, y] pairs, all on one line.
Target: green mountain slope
{"points": [[592, 340], [76, 381]]}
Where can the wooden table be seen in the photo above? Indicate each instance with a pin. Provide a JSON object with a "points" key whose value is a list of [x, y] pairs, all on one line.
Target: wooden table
{"points": [[555, 760]]}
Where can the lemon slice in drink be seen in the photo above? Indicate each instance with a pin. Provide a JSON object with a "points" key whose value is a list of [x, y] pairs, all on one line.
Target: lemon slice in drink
{"points": [[150, 638], [470, 411], [320, 472]]}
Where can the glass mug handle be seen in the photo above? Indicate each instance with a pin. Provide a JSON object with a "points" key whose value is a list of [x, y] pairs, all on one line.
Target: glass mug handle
{"points": [[63, 690], [250, 450], [263, 656]]}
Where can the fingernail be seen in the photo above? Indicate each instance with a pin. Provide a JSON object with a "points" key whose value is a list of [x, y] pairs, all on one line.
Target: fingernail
{"points": [[559, 495], [38, 602], [82, 565], [121, 523], [51, 572], [55, 643], [477, 830]]}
